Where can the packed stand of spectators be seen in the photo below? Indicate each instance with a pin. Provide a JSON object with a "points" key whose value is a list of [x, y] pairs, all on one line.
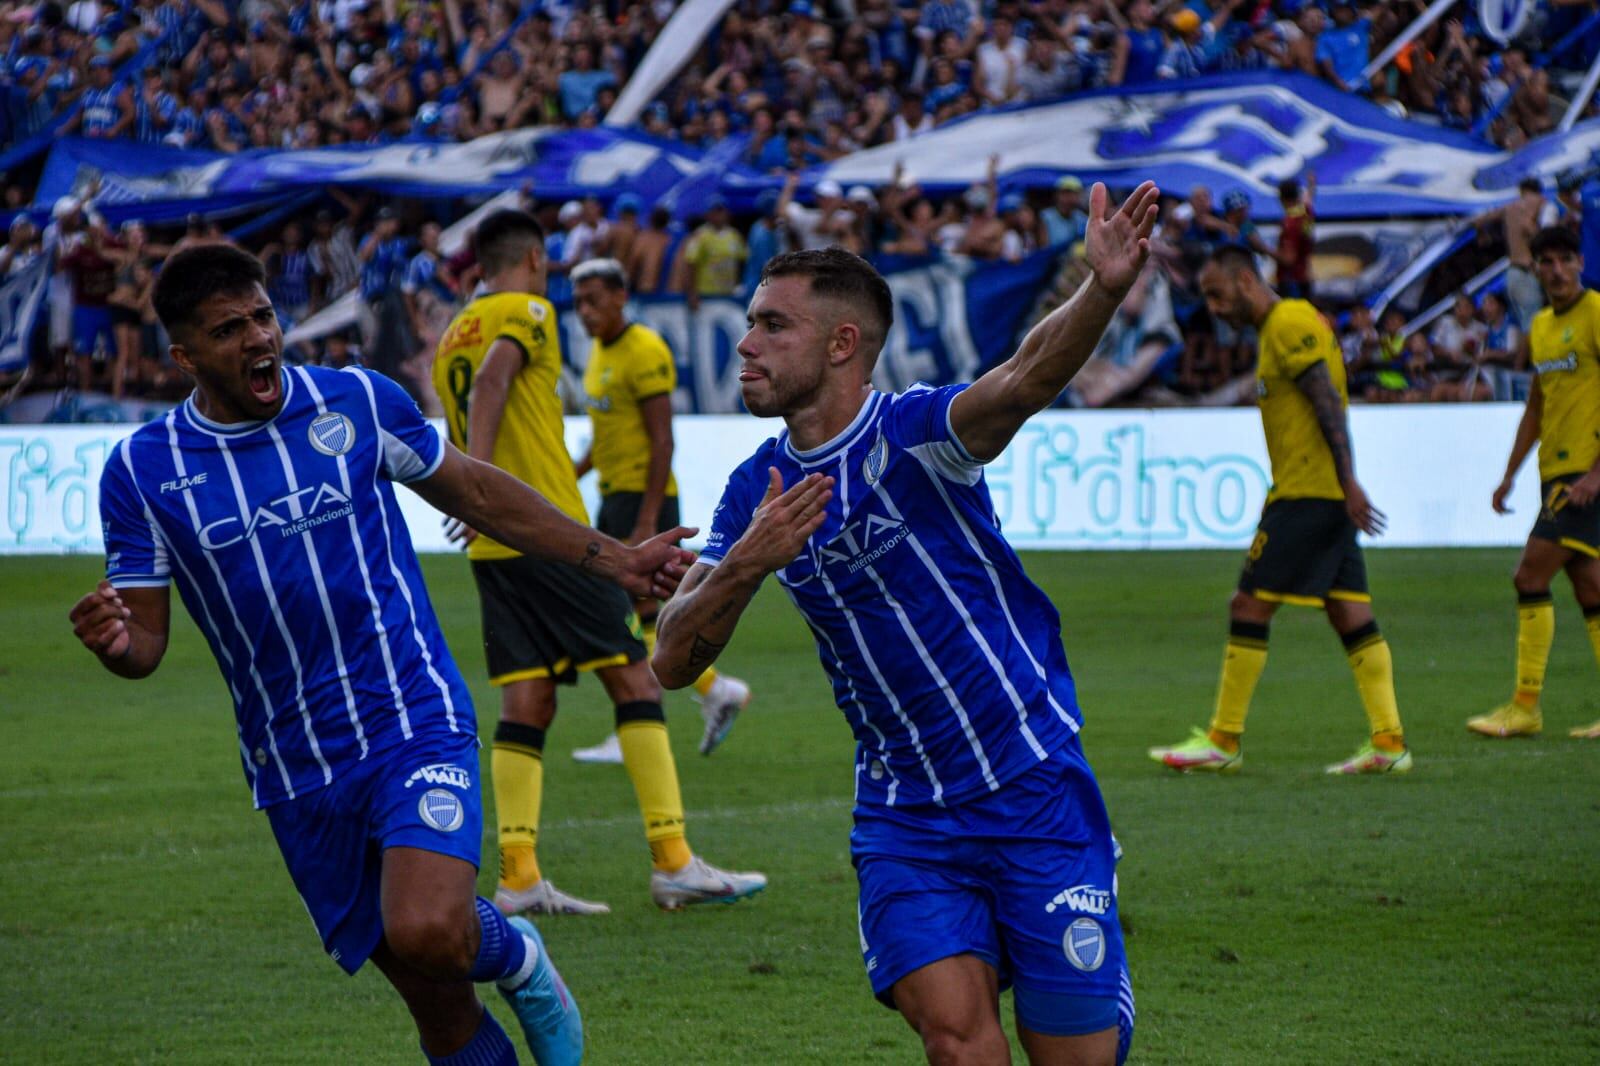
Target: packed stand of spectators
{"points": [[233, 74], [799, 82], [806, 80]]}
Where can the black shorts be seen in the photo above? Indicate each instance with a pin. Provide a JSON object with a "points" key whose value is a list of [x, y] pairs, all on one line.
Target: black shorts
{"points": [[1572, 527], [1305, 553], [620, 510], [545, 619]]}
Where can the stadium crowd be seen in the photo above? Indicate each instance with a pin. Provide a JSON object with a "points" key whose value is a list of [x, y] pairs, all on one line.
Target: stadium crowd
{"points": [[799, 83]]}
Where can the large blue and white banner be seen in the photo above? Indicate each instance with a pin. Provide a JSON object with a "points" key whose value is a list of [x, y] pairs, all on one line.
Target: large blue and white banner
{"points": [[21, 297], [142, 180], [1245, 132], [1070, 480]]}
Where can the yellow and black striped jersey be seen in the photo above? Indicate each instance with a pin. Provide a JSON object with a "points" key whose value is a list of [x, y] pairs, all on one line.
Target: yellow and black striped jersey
{"points": [[531, 444], [1565, 352], [1293, 339], [620, 376]]}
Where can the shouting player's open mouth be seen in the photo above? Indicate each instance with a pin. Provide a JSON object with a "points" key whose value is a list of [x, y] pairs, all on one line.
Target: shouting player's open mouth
{"points": [[265, 381]]}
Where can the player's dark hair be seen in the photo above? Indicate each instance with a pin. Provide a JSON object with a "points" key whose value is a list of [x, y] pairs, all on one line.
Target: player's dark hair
{"points": [[845, 276], [1289, 190], [1234, 257], [1555, 239], [196, 274], [504, 237]]}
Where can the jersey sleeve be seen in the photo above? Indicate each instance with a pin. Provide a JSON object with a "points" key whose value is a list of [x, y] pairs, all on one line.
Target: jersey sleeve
{"points": [[136, 551], [737, 506], [528, 326], [653, 372], [412, 447], [919, 422], [1301, 340]]}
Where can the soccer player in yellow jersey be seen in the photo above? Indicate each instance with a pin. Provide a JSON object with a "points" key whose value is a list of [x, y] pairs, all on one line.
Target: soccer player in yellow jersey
{"points": [[1563, 419], [495, 371], [628, 385], [1305, 549]]}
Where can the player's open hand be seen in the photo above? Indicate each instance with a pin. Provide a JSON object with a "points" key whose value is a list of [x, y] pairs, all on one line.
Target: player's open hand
{"points": [[652, 568], [1118, 239], [1502, 491], [1584, 491], [458, 532], [100, 621], [1367, 518], [785, 520]]}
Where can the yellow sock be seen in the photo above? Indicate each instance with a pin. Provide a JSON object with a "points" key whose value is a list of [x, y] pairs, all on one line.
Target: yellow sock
{"points": [[1536, 632], [1242, 663], [1591, 622], [1373, 665], [647, 756], [703, 683], [517, 762]]}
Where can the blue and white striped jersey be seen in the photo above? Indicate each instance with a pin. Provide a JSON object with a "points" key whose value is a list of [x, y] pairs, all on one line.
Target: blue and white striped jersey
{"points": [[945, 658], [289, 550]]}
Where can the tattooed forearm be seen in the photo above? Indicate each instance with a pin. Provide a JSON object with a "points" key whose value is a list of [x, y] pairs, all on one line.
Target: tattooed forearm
{"points": [[1318, 388], [702, 653]]}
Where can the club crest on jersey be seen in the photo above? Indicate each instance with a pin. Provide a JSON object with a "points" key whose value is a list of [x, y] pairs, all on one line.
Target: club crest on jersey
{"points": [[331, 433], [1084, 898], [442, 810], [877, 460], [441, 773], [1085, 944]]}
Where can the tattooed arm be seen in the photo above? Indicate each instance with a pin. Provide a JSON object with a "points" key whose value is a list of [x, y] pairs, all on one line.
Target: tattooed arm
{"points": [[1317, 386], [696, 624]]}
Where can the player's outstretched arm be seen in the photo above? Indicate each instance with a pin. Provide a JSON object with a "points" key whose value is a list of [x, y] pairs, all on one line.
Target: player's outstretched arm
{"points": [[696, 624], [1527, 437], [125, 628], [495, 503], [986, 416], [1328, 405]]}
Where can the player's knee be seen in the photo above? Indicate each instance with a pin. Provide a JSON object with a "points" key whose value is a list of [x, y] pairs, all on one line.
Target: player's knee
{"points": [[1244, 607], [1529, 582], [436, 942], [634, 683], [948, 1044]]}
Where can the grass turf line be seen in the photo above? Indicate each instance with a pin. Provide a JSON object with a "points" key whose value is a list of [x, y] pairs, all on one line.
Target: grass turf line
{"points": [[1277, 917]]}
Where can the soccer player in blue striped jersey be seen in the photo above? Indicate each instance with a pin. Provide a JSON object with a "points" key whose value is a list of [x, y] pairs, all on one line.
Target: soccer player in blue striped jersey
{"points": [[267, 496], [982, 846]]}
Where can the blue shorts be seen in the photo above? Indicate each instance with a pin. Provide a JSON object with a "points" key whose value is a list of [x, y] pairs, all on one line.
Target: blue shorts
{"points": [[91, 331], [423, 794], [1024, 879]]}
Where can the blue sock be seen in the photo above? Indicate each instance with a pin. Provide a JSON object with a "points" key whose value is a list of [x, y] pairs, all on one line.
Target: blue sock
{"points": [[501, 949], [489, 1046]]}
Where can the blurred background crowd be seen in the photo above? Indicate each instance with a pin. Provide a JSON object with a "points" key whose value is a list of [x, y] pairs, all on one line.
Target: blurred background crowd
{"points": [[798, 83]]}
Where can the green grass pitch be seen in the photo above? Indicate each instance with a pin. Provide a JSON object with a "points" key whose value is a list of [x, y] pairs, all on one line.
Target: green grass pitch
{"points": [[1277, 917]]}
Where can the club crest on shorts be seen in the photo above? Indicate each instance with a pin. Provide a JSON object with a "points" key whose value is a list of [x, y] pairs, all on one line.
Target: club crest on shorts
{"points": [[331, 433], [877, 459], [442, 810], [1085, 944]]}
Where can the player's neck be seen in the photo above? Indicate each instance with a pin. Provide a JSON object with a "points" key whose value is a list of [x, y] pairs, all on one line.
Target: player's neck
{"points": [[1563, 308], [520, 281], [825, 418], [1261, 305]]}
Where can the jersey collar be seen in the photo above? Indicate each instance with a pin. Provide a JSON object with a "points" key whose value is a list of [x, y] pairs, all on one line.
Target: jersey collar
{"points": [[824, 452], [192, 414]]}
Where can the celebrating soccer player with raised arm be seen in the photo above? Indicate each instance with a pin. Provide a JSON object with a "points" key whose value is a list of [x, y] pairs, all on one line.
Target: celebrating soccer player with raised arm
{"points": [[267, 495], [544, 620], [627, 386], [1305, 549], [982, 847], [1563, 419]]}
